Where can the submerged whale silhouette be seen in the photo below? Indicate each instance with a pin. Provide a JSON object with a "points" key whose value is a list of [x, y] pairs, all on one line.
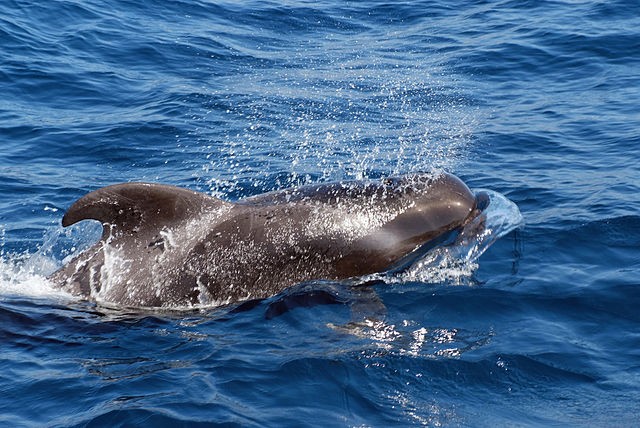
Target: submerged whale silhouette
{"points": [[164, 246]]}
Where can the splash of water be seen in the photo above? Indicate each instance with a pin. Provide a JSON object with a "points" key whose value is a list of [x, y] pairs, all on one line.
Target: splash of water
{"points": [[25, 274], [331, 119], [22, 275], [456, 262]]}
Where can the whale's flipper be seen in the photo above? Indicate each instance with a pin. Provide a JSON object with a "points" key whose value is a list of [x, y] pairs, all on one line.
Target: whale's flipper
{"points": [[139, 207]]}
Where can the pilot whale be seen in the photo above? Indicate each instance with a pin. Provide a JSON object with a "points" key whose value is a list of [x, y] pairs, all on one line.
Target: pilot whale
{"points": [[165, 246]]}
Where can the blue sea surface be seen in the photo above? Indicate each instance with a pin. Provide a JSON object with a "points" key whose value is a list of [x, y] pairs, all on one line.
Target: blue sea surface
{"points": [[537, 101]]}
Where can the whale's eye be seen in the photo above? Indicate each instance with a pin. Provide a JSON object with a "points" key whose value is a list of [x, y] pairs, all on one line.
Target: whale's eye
{"points": [[158, 243]]}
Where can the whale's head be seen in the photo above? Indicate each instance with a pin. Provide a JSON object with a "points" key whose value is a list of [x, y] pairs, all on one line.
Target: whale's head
{"points": [[420, 211], [434, 204]]}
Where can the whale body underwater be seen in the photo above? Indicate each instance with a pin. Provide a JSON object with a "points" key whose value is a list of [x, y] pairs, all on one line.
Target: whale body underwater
{"points": [[165, 246]]}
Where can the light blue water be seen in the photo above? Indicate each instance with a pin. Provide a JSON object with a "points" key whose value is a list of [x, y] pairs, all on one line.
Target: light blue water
{"points": [[536, 101]]}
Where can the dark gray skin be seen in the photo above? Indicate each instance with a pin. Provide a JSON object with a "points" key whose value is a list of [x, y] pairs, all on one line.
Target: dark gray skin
{"points": [[163, 246]]}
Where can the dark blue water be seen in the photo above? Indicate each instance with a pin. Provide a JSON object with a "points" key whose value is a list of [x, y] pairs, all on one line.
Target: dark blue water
{"points": [[535, 100]]}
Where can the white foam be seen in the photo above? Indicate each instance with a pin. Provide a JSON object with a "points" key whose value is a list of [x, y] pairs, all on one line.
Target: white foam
{"points": [[25, 275]]}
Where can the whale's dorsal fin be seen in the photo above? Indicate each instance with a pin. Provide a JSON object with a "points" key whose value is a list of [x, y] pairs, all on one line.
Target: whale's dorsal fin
{"points": [[134, 207]]}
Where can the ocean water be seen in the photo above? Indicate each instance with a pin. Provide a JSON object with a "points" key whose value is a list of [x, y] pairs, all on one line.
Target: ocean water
{"points": [[536, 324]]}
